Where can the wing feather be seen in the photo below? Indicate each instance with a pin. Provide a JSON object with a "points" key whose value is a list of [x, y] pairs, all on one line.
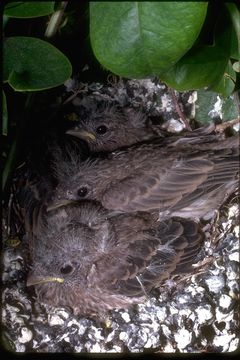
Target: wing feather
{"points": [[157, 189]]}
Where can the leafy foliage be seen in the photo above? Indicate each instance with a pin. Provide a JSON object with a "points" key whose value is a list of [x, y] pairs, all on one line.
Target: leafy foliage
{"points": [[32, 64], [28, 9], [142, 39]]}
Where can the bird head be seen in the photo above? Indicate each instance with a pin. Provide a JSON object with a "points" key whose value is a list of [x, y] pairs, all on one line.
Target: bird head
{"points": [[111, 128], [76, 181], [74, 192], [68, 257]]}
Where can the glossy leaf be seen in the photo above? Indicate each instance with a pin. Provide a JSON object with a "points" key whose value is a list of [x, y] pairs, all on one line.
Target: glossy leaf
{"points": [[236, 66], [235, 17], [226, 85], [201, 67], [230, 109], [28, 9], [31, 64], [209, 104], [142, 39]]}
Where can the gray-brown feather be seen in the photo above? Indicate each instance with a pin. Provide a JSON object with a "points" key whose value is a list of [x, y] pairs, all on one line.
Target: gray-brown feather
{"points": [[145, 177], [115, 260]]}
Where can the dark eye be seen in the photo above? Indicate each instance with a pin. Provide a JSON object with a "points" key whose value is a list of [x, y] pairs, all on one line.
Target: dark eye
{"points": [[102, 129], [66, 269], [82, 192]]}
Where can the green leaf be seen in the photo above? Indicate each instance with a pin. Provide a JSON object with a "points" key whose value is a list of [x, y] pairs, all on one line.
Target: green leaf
{"points": [[236, 66], [201, 67], [31, 64], [142, 39], [235, 17], [4, 115], [230, 109], [234, 48], [226, 85], [204, 105], [28, 9], [5, 20], [209, 104]]}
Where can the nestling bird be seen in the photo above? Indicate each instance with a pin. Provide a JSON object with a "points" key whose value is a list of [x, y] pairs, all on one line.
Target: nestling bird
{"points": [[91, 260], [86, 258], [186, 180], [110, 128]]}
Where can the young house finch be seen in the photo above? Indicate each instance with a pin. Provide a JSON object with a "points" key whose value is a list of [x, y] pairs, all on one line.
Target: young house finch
{"points": [[109, 128], [185, 180], [86, 258]]}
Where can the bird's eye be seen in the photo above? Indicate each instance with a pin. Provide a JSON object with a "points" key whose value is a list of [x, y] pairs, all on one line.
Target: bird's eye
{"points": [[102, 129], [82, 192], [66, 269]]}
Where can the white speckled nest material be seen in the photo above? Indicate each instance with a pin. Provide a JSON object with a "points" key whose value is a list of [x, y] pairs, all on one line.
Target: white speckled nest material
{"points": [[197, 313]]}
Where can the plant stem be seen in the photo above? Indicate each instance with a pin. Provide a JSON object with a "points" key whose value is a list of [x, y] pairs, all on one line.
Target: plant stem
{"points": [[55, 20], [9, 164], [4, 115]]}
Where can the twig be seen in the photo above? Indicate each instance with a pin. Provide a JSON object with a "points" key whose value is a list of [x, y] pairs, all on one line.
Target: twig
{"points": [[71, 97], [55, 20], [226, 124], [9, 165], [179, 111]]}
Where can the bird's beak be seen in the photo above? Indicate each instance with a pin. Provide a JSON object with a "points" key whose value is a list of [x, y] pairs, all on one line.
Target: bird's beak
{"points": [[59, 204], [81, 134], [35, 279]]}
